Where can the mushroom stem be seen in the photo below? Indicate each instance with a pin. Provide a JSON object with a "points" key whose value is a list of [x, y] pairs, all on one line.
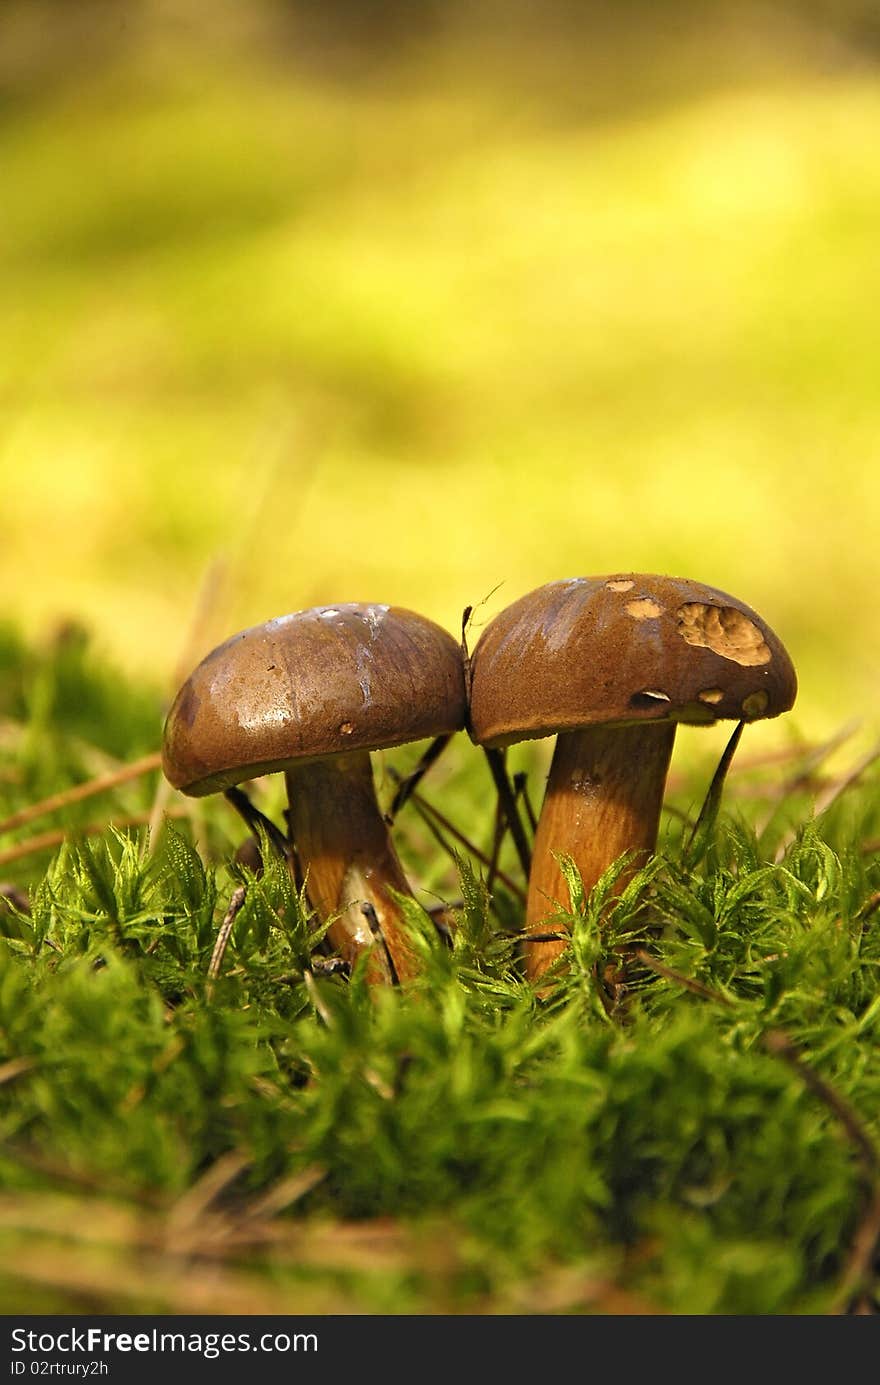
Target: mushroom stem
{"points": [[349, 861], [604, 795]]}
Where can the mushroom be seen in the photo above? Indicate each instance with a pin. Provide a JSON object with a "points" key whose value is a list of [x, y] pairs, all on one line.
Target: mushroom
{"points": [[611, 665], [311, 694]]}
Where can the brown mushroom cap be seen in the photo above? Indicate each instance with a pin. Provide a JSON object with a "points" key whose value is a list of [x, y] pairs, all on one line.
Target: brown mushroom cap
{"points": [[620, 649], [327, 681]]}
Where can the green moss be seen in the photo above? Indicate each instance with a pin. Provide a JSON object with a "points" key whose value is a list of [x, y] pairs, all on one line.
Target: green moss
{"points": [[647, 1138]]}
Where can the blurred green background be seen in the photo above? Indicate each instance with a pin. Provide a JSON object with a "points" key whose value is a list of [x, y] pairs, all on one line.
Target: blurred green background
{"points": [[431, 303]]}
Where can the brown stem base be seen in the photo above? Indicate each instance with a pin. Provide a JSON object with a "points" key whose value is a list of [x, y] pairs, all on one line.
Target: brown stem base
{"points": [[349, 862], [604, 795]]}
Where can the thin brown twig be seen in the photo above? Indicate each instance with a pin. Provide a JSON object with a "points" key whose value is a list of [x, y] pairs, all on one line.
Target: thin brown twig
{"points": [[777, 1042], [674, 811], [14, 897], [762, 759], [145, 765], [803, 777], [420, 808], [527, 935], [251, 815], [407, 785], [521, 792], [285, 1192], [97, 1180], [498, 770], [15, 1067], [498, 830], [214, 597], [839, 786], [235, 905], [846, 781], [434, 820], [45, 841], [831, 794], [869, 907], [213, 581], [195, 1201], [859, 1265], [466, 615], [315, 997], [711, 803], [687, 982], [866, 1241]]}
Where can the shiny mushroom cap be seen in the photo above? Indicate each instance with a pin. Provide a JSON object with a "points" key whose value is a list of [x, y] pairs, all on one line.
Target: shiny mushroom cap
{"points": [[326, 681], [619, 649]]}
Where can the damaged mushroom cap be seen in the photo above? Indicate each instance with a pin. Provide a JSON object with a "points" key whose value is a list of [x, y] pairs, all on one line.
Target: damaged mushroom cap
{"points": [[325, 681], [622, 649]]}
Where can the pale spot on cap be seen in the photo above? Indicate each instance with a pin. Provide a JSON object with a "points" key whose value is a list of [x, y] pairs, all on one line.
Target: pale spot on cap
{"points": [[693, 714], [644, 608], [724, 630], [620, 584], [755, 703]]}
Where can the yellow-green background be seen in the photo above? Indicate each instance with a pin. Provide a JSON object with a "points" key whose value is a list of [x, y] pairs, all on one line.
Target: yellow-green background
{"points": [[432, 304]]}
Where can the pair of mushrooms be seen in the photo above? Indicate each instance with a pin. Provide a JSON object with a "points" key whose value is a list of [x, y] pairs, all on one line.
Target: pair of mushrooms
{"points": [[610, 665]]}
